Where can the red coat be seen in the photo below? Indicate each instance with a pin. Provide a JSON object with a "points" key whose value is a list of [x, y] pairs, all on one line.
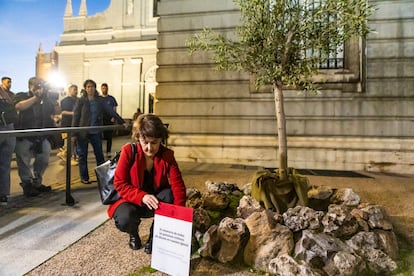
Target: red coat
{"points": [[128, 180]]}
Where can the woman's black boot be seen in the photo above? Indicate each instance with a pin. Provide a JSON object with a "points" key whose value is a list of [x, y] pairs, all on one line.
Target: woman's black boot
{"points": [[134, 241], [148, 244]]}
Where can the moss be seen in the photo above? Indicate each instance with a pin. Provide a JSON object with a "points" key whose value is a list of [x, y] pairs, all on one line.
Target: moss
{"points": [[405, 261], [403, 229], [230, 211], [234, 203], [145, 269], [215, 216]]}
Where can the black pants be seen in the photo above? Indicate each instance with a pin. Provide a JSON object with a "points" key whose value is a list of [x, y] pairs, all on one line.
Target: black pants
{"points": [[107, 135], [127, 216]]}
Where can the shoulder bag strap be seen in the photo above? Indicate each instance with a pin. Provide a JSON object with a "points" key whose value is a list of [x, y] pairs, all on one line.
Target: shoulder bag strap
{"points": [[134, 150]]}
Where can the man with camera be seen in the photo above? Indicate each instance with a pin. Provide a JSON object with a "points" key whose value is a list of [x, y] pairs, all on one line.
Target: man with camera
{"points": [[36, 110]]}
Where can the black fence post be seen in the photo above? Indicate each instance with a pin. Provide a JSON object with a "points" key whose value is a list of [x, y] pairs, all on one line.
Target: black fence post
{"points": [[70, 201]]}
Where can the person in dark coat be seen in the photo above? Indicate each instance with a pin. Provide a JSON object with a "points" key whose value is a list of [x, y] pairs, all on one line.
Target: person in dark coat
{"points": [[8, 117], [89, 111], [36, 110]]}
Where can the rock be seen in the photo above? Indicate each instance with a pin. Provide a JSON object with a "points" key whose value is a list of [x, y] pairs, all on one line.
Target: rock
{"points": [[368, 245], [387, 242], [233, 235], [377, 217], [315, 247], [215, 201], [346, 196], [339, 222], [345, 264], [320, 249], [363, 240], [300, 218], [225, 242], [265, 239], [211, 243], [358, 213], [201, 220], [247, 188], [319, 197], [193, 193], [221, 187], [320, 192], [194, 198], [268, 240], [285, 265], [379, 262], [247, 206]]}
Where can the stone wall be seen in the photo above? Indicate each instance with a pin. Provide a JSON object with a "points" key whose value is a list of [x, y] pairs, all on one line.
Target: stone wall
{"points": [[219, 117]]}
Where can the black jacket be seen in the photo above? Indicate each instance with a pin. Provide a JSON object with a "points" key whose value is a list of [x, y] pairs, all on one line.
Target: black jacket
{"points": [[8, 113], [39, 115], [82, 114]]}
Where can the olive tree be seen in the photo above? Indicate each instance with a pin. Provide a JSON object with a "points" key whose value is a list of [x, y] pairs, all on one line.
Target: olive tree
{"points": [[282, 43]]}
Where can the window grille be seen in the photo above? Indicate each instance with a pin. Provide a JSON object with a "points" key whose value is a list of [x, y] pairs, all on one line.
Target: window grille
{"points": [[333, 57]]}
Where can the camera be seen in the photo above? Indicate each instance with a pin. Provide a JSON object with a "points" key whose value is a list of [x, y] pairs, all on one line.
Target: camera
{"points": [[48, 91], [38, 86]]}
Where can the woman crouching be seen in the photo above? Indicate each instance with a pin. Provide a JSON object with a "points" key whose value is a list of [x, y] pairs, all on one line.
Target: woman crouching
{"points": [[147, 178]]}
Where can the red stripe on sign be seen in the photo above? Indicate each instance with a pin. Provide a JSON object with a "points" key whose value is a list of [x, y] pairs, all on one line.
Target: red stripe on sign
{"points": [[175, 211]]}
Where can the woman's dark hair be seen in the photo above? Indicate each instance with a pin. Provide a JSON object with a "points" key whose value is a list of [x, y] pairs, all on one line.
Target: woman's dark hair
{"points": [[149, 125], [93, 84], [89, 81]]}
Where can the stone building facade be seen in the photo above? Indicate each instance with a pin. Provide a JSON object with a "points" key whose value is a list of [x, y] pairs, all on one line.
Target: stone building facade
{"points": [[363, 119], [116, 46]]}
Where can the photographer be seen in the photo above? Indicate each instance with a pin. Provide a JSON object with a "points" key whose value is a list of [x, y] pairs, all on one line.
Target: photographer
{"points": [[36, 110]]}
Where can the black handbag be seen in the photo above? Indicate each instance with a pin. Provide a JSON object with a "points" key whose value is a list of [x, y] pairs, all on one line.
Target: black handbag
{"points": [[105, 177]]}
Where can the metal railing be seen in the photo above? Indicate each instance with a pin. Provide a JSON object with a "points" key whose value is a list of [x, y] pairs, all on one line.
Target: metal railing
{"points": [[70, 201]]}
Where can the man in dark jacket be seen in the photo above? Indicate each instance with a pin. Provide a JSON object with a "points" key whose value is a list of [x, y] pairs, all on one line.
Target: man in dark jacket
{"points": [[36, 109], [8, 117], [89, 111]]}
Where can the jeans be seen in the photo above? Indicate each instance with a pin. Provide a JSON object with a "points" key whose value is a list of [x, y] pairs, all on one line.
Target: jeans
{"points": [[25, 152], [128, 216], [82, 151], [7, 144]]}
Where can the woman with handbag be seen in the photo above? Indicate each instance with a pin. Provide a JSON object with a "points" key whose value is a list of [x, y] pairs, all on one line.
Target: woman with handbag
{"points": [[153, 176]]}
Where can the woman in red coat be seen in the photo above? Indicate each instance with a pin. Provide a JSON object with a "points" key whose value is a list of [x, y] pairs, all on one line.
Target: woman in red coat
{"points": [[147, 178]]}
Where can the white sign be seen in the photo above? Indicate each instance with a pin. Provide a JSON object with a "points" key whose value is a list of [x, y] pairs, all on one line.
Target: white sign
{"points": [[171, 246]]}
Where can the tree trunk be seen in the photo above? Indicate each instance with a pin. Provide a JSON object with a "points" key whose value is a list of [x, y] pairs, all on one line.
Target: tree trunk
{"points": [[281, 131]]}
